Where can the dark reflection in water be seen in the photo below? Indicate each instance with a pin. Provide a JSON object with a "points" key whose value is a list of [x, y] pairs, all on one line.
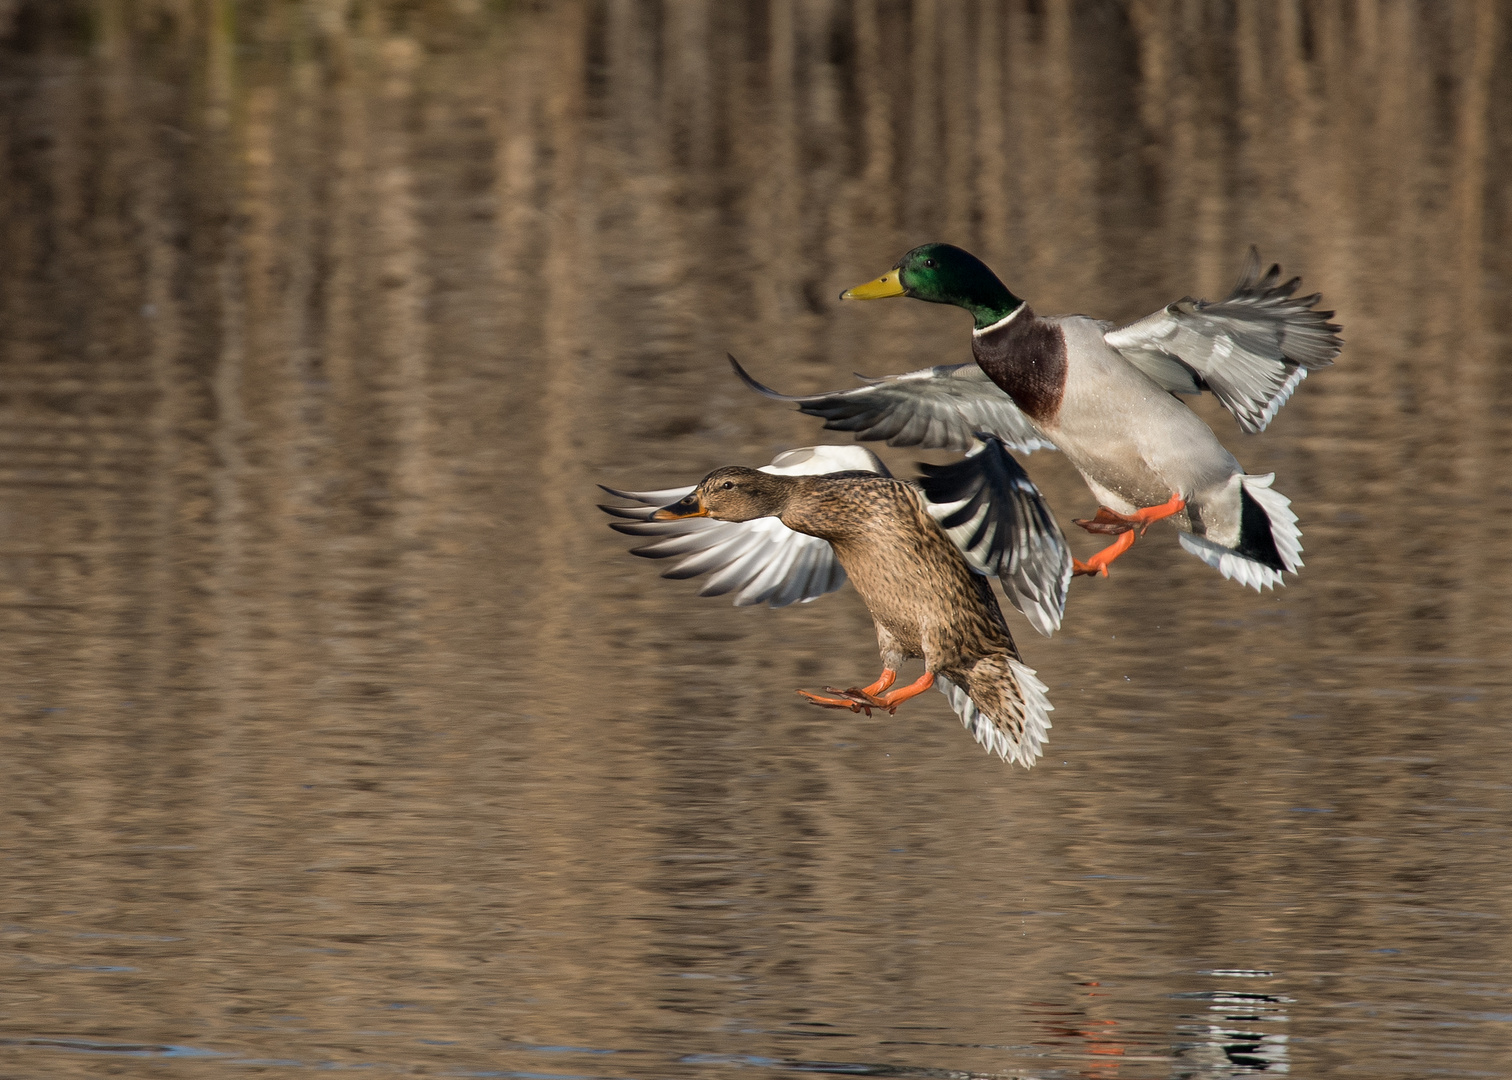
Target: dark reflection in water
{"points": [[339, 732]]}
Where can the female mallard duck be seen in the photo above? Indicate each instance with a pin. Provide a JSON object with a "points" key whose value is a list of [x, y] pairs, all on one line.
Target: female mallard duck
{"points": [[1104, 398], [834, 505]]}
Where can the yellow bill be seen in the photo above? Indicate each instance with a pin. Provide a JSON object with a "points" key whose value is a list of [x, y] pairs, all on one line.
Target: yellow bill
{"points": [[690, 507], [886, 285]]}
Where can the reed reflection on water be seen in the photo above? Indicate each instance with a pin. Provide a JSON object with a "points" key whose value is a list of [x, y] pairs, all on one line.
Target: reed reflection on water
{"points": [[339, 732]]}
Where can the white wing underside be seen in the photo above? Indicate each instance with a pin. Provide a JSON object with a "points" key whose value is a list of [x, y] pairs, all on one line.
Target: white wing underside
{"points": [[760, 561]]}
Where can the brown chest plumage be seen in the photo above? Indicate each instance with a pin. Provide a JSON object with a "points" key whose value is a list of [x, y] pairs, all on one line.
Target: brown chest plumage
{"points": [[1027, 358], [912, 577]]}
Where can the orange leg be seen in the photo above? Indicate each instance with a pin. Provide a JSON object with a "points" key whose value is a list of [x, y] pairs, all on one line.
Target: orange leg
{"points": [[1111, 521], [864, 700], [891, 701], [1098, 564]]}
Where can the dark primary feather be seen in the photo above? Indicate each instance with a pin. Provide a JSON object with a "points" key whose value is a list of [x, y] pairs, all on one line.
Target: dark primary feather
{"points": [[1251, 348], [1004, 528], [937, 408]]}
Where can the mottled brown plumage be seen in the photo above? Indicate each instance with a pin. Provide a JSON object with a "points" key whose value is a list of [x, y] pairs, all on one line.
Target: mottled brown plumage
{"points": [[925, 599]]}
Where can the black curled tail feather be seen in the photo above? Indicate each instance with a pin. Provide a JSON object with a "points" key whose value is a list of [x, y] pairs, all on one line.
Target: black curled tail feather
{"points": [[1257, 538]]}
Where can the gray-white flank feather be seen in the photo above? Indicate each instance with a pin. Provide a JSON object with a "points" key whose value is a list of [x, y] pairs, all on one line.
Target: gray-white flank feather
{"points": [[1251, 349]]}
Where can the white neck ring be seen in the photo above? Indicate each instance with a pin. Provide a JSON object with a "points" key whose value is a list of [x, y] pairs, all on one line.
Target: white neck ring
{"points": [[1004, 321]]}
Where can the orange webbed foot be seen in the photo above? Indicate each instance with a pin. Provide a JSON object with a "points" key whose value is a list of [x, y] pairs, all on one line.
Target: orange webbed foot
{"points": [[1111, 521], [856, 699], [1108, 522], [865, 699], [1125, 526], [1098, 564], [836, 703]]}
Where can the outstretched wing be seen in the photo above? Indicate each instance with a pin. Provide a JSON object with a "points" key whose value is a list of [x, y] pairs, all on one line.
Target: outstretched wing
{"points": [[998, 518], [760, 561], [938, 408], [1251, 349]]}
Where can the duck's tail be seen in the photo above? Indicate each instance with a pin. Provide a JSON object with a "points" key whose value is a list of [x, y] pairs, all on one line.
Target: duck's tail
{"points": [[1269, 540], [1003, 705]]}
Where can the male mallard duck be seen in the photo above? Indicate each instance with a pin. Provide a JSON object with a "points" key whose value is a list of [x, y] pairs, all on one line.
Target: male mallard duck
{"points": [[1104, 397], [776, 534]]}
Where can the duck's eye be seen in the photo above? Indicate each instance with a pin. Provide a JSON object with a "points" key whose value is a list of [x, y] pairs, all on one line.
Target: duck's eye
{"points": [[727, 485], [929, 264]]}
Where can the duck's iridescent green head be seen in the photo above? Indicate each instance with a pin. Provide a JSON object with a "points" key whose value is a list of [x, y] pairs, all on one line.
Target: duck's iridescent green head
{"points": [[944, 274]]}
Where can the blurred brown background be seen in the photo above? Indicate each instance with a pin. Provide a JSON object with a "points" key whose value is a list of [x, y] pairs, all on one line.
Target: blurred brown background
{"points": [[336, 729]]}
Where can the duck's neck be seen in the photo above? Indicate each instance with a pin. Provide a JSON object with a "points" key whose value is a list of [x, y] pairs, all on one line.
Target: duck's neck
{"points": [[990, 302], [826, 507], [1001, 323]]}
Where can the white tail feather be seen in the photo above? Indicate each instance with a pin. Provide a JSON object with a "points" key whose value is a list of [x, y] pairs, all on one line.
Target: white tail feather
{"points": [[1284, 532]]}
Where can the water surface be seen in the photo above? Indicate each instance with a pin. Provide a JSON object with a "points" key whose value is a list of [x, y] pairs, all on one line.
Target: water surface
{"points": [[338, 731]]}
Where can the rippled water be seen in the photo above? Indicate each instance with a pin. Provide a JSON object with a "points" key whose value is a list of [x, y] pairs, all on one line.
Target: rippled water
{"points": [[338, 731]]}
